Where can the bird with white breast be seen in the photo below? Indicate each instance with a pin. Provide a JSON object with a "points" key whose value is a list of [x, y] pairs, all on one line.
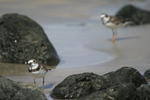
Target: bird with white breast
{"points": [[113, 23], [37, 70]]}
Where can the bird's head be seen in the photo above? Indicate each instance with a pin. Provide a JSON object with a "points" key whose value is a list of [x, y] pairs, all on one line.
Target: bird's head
{"points": [[103, 16], [31, 61]]}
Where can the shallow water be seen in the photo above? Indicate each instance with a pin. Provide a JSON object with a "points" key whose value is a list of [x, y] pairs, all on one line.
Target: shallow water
{"points": [[70, 41]]}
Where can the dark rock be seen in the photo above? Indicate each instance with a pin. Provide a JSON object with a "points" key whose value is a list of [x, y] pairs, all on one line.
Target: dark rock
{"points": [[126, 75], [134, 14], [147, 74], [22, 39], [144, 92], [125, 91], [10, 90], [79, 85]]}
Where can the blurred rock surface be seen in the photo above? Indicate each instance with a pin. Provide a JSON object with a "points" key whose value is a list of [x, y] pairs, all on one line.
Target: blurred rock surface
{"points": [[22, 39]]}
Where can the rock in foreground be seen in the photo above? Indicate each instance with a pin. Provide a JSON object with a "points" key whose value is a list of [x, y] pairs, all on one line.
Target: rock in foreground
{"points": [[126, 75], [22, 39], [10, 90], [113, 85], [125, 91], [79, 85], [144, 92], [134, 14]]}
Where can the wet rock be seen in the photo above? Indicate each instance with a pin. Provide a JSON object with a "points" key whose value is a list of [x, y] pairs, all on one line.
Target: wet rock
{"points": [[144, 92], [22, 39], [147, 74], [126, 75], [80, 85], [10, 90], [134, 14], [125, 91]]}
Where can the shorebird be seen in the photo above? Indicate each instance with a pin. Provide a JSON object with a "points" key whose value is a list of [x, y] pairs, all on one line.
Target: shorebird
{"points": [[113, 23], [37, 70]]}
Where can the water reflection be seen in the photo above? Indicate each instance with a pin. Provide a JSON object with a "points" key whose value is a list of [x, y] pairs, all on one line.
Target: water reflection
{"points": [[125, 38], [47, 86], [116, 49]]}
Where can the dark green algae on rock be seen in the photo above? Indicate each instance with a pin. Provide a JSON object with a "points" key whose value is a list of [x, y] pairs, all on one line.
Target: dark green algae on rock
{"points": [[21, 39]]}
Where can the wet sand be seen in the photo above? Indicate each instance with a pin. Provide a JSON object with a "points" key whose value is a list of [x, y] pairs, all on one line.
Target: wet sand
{"points": [[130, 49]]}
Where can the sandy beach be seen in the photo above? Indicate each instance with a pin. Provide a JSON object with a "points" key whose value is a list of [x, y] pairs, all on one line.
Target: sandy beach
{"points": [[92, 46]]}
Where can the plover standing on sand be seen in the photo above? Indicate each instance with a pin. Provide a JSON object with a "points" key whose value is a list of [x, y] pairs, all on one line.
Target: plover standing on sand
{"points": [[114, 23], [37, 70]]}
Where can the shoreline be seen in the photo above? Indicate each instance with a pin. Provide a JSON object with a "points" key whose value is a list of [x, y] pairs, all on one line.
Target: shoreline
{"points": [[121, 58], [127, 55]]}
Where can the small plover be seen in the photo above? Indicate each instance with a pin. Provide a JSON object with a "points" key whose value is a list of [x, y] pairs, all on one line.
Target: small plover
{"points": [[37, 70], [113, 23]]}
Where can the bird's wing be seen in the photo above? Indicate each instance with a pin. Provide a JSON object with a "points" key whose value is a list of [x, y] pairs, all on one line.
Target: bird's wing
{"points": [[116, 20], [43, 67]]}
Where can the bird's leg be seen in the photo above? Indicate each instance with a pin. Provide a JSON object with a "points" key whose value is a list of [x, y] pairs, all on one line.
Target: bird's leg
{"points": [[43, 84], [112, 39], [116, 34], [34, 82]]}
